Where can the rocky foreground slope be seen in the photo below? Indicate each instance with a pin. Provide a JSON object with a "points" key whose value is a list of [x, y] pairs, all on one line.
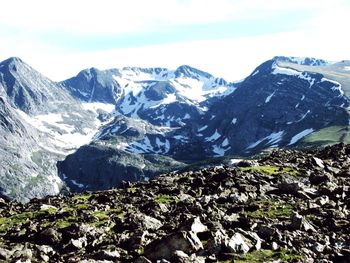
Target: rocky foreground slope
{"points": [[288, 207]]}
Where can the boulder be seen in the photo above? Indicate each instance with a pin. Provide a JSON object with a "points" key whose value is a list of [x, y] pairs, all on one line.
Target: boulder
{"points": [[165, 247]]}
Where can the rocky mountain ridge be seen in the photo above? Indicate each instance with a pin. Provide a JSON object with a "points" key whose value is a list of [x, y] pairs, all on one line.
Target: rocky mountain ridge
{"points": [[276, 106], [135, 123], [290, 206], [40, 123]]}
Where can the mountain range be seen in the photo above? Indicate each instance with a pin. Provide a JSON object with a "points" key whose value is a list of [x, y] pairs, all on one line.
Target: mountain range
{"points": [[102, 127]]}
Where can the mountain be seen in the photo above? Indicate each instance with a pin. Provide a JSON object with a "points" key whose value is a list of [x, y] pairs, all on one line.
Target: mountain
{"points": [[187, 115], [30, 91], [276, 106], [40, 124], [289, 206], [93, 85], [102, 127], [158, 95]]}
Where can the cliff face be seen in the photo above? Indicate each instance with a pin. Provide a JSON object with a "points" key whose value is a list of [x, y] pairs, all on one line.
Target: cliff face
{"points": [[289, 206]]}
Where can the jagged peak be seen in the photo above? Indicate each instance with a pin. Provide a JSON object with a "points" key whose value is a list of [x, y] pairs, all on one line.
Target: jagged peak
{"points": [[189, 71], [12, 60], [145, 70]]}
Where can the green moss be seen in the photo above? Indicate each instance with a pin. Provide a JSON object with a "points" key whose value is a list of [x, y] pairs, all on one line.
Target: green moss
{"points": [[271, 170], [101, 215], [265, 255], [328, 136], [81, 206], [270, 209], [101, 223], [116, 211], [7, 223], [81, 197], [66, 222], [131, 190], [164, 199]]}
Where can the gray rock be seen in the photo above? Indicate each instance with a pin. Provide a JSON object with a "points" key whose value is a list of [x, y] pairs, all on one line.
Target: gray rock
{"points": [[49, 236], [79, 243], [146, 222], [318, 162], [238, 244], [5, 254], [300, 223], [165, 247]]}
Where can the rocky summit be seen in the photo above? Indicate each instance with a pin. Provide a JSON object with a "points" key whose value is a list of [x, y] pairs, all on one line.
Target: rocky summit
{"points": [[290, 206]]}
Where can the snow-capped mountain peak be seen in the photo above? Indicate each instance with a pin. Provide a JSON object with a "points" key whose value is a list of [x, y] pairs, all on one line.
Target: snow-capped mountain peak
{"points": [[159, 95]]}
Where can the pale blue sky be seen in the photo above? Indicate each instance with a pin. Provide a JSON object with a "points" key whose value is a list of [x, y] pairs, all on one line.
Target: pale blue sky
{"points": [[227, 38]]}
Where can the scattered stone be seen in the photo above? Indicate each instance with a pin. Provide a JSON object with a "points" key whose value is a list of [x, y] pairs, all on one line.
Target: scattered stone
{"points": [[5, 254], [287, 205], [238, 244], [79, 243], [318, 162]]}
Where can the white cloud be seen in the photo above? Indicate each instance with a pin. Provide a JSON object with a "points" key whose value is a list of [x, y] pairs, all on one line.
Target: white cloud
{"points": [[323, 35], [112, 16], [232, 59]]}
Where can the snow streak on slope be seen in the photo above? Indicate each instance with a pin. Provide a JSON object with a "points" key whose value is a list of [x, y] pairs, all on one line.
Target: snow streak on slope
{"points": [[63, 134], [272, 140], [96, 106], [300, 135]]}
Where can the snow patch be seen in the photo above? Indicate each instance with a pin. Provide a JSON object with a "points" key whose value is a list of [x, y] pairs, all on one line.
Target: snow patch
{"points": [[293, 72], [203, 128], [300, 135], [186, 117], [284, 71], [169, 99], [347, 68], [225, 143], [59, 132], [95, 106], [267, 100], [272, 139], [304, 116], [122, 146], [77, 184], [214, 137], [219, 151], [337, 86], [256, 72]]}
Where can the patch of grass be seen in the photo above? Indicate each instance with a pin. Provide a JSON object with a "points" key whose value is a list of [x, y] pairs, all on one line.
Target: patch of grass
{"points": [[81, 197], [101, 223], [131, 190], [66, 222], [101, 215], [81, 206], [328, 136], [164, 199], [265, 255], [271, 170], [271, 209], [7, 223]]}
